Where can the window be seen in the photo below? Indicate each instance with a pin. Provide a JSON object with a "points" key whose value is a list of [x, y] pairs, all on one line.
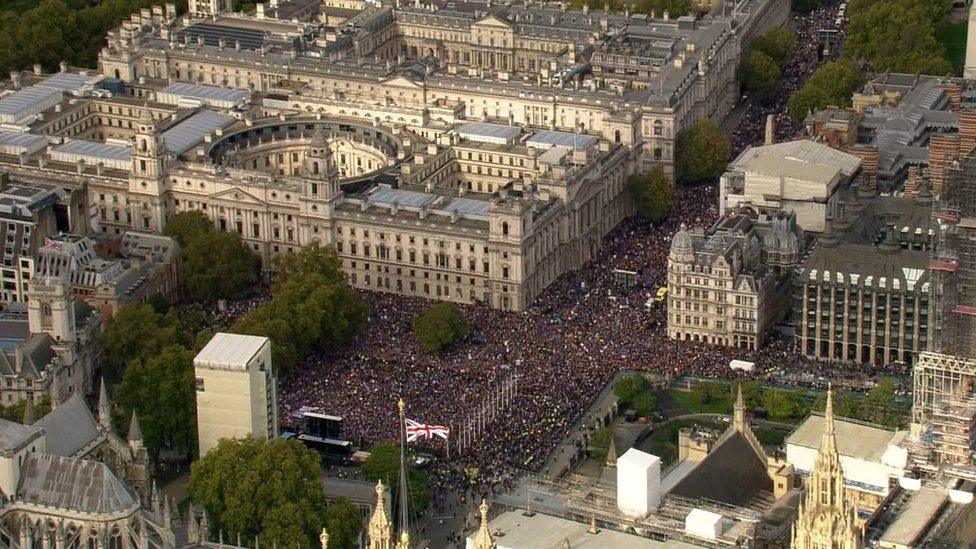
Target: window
{"points": [[199, 383]]}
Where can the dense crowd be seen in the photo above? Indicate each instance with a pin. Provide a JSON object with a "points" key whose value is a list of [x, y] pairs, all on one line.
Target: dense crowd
{"points": [[805, 56], [565, 348]]}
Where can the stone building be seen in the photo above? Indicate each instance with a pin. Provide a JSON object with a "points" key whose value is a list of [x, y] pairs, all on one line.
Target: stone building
{"points": [[53, 348], [28, 214], [728, 286], [438, 62], [863, 293], [827, 516]]}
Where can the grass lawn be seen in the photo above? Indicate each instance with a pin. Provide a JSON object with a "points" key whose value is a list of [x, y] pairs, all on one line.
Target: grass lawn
{"points": [[953, 37], [685, 400]]}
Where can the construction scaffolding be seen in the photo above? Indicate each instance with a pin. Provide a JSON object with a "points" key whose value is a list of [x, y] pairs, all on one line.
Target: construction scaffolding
{"points": [[953, 428], [939, 379]]}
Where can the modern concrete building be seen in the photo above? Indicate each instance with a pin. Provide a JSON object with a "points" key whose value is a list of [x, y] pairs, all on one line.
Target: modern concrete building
{"points": [[802, 177], [28, 215], [236, 389], [728, 286]]}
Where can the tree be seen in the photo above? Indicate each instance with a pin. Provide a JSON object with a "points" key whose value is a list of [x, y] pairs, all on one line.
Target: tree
{"points": [[138, 331], [751, 392], [312, 309], [776, 43], [879, 403], [702, 152], [783, 405], [653, 194], [217, 266], [805, 6], [271, 490], [343, 522], [440, 327], [15, 412], [897, 36], [629, 386], [831, 84], [160, 389], [706, 392], [759, 75], [384, 463], [187, 227]]}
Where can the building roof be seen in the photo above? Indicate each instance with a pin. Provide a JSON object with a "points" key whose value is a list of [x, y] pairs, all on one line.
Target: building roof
{"points": [[512, 529], [23, 99], [489, 133], [856, 440], [69, 483], [791, 156], [548, 138], [13, 435], [95, 150], [229, 351], [198, 91], [185, 134], [69, 428], [732, 473], [923, 507]]}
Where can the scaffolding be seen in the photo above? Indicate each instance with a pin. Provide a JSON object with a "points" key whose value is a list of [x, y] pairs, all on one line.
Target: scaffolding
{"points": [[939, 379], [953, 427]]}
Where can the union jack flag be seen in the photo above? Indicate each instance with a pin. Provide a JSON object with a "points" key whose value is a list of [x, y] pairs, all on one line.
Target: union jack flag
{"points": [[52, 244], [417, 430]]}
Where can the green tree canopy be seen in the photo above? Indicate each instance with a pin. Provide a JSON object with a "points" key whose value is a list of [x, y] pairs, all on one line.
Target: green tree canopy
{"points": [[271, 490], [784, 405], [702, 152], [653, 194], [759, 75], [160, 389], [312, 308], [897, 36], [384, 463], [343, 522], [775, 42], [186, 227], [440, 327], [138, 331], [831, 84], [628, 386]]}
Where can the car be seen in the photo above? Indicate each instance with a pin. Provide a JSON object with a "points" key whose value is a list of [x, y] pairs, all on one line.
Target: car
{"points": [[662, 294]]}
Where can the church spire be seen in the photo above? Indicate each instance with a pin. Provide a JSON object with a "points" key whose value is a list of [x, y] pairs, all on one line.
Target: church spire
{"points": [[827, 516], [739, 411], [104, 407], [379, 526], [611, 452], [483, 539]]}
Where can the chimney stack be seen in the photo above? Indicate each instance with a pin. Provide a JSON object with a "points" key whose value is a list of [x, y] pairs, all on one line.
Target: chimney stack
{"points": [[770, 134]]}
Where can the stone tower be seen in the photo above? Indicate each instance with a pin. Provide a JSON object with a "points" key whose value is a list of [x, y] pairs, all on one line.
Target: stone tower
{"points": [[146, 177], [827, 516], [319, 170]]}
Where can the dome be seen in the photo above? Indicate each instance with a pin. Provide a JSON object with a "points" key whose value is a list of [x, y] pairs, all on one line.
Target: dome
{"points": [[681, 243]]}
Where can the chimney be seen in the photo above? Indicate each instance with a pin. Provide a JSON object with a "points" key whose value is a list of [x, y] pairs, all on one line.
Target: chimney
{"points": [[15, 79], [38, 71], [64, 66], [770, 134]]}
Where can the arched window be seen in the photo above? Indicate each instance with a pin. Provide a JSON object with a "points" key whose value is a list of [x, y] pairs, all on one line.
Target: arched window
{"points": [[315, 168], [616, 136], [658, 128], [117, 74]]}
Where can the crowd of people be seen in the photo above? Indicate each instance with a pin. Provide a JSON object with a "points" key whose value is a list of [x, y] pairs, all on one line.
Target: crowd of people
{"points": [[804, 58], [565, 347]]}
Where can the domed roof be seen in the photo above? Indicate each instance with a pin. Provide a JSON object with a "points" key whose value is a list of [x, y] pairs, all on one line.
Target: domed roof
{"points": [[681, 243]]}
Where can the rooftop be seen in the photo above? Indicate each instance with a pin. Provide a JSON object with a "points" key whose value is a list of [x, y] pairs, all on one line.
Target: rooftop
{"points": [[856, 440], [229, 351], [802, 158], [68, 428], [512, 529], [922, 509], [67, 483]]}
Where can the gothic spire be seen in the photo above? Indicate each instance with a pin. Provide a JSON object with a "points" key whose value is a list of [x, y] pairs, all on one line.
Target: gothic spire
{"points": [[135, 432], [483, 539], [104, 407], [739, 411], [379, 526], [611, 451]]}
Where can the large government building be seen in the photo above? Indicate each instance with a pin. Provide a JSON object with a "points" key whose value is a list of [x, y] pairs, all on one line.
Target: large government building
{"points": [[463, 151]]}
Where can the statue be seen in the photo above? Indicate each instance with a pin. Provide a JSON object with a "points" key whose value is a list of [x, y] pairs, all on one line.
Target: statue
{"points": [[324, 539]]}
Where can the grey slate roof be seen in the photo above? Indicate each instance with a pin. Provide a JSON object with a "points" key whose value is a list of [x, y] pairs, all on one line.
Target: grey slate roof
{"points": [[731, 473], [68, 483], [69, 428], [13, 434]]}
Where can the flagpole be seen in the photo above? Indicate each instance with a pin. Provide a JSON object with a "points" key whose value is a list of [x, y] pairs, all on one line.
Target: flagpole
{"points": [[404, 488]]}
